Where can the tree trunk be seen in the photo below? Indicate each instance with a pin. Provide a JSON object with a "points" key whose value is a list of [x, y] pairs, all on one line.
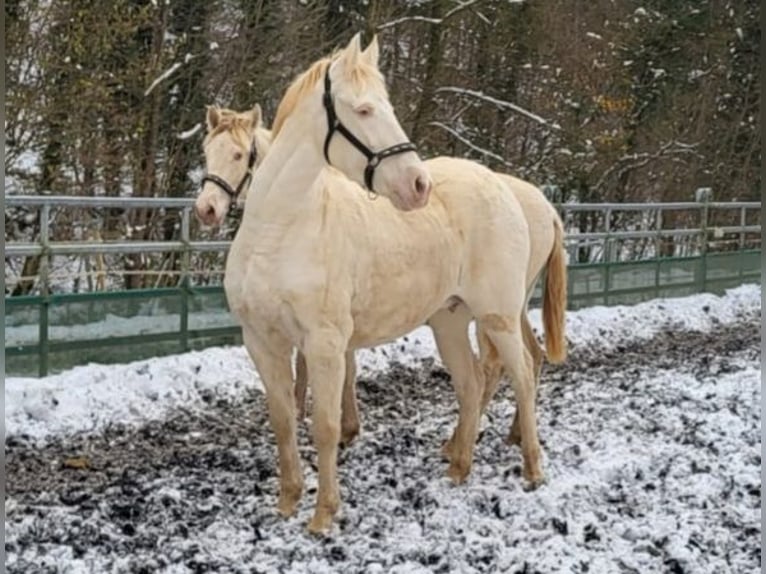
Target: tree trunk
{"points": [[424, 110]]}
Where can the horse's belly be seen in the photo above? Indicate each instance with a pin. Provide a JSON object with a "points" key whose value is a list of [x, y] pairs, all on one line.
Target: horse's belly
{"points": [[367, 335], [390, 316]]}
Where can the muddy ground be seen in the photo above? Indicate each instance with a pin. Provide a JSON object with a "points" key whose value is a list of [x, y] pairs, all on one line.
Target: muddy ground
{"points": [[652, 453]]}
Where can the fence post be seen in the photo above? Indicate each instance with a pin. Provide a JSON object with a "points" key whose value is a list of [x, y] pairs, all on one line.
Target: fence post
{"points": [[703, 196], [742, 223], [44, 272], [607, 253], [658, 252], [185, 263]]}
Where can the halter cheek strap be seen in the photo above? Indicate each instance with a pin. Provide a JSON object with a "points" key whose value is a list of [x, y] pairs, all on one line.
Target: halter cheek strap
{"points": [[245, 181], [335, 125]]}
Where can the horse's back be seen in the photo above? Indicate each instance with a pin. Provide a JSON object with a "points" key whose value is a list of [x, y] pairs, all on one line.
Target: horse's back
{"points": [[541, 218], [479, 199]]}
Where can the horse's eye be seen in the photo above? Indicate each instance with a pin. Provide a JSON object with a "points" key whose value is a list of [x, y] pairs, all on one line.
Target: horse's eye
{"points": [[364, 110], [238, 156]]}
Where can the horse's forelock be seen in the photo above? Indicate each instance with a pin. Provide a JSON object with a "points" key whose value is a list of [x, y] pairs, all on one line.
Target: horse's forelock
{"points": [[232, 122], [364, 74]]}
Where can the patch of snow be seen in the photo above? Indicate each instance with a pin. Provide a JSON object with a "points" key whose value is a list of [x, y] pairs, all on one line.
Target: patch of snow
{"points": [[89, 398], [696, 74]]}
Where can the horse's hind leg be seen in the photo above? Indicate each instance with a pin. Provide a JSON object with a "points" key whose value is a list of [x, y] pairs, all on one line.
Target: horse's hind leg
{"points": [[273, 365], [451, 333], [349, 421], [538, 355], [491, 367], [301, 384], [505, 332]]}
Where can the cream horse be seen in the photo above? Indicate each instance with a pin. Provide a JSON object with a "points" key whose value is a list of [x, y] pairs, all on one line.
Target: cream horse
{"points": [[545, 238], [315, 265]]}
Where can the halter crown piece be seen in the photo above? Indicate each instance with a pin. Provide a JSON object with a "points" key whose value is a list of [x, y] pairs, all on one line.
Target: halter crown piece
{"points": [[224, 185], [335, 125]]}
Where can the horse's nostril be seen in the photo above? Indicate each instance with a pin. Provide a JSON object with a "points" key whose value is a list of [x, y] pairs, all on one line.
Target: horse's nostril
{"points": [[205, 213], [421, 185]]}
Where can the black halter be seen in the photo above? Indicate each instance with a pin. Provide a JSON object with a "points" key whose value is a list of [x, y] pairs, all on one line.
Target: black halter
{"points": [[224, 185], [334, 124]]}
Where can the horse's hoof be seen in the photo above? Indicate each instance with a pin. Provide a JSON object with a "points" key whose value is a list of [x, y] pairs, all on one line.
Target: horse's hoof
{"points": [[447, 450], [532, 481], [348, 436], [320, 523], [513, 438], [458, 473], [288, 503]]}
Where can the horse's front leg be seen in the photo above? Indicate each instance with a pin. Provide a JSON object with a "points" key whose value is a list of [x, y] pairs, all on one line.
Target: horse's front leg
{"points": [[272, 360], [349, 422], [325, 361]]}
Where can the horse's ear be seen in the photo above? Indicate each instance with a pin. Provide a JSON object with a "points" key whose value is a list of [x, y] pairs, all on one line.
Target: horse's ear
{"points": [[372, 52], [213, 117], [353, 50], [256, 116]]}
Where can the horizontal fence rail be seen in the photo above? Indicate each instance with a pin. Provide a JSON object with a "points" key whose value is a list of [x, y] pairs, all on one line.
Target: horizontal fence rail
{"points": [[619, 258]]}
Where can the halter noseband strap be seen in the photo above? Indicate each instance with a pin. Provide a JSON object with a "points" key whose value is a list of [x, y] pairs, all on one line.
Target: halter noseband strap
{"points": [[224, 185], [335, 125]]}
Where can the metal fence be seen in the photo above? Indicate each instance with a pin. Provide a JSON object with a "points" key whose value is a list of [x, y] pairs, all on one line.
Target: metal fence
{"points": [[618, 253]]}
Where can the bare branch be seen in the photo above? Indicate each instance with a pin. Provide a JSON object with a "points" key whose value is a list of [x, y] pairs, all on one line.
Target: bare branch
{"points": [[460, 7], [470, 144], [398, 21], [638, 160], [499, 103], [457, 9]]}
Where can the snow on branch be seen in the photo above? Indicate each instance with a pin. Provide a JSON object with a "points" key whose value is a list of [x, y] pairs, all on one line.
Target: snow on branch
{"points": [[469, 143], [459, 8], [185, 135], [499, 103], [638, 160], [162, 77]]}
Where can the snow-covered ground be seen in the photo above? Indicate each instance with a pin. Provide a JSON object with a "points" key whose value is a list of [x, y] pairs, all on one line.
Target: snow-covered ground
{"points": [[650, 433]]}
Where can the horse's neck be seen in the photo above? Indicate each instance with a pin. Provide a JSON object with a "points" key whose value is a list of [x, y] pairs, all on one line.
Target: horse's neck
{"points": [[262, 144], [286, 180]]}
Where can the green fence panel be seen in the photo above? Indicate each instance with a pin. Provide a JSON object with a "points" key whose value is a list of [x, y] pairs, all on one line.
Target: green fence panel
{"points": [[107, 318], [678, 271], [124, 326], [208, 309]]}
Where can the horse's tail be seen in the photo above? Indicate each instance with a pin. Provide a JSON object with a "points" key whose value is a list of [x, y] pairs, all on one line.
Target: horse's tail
{"points": [[555, 299]]}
